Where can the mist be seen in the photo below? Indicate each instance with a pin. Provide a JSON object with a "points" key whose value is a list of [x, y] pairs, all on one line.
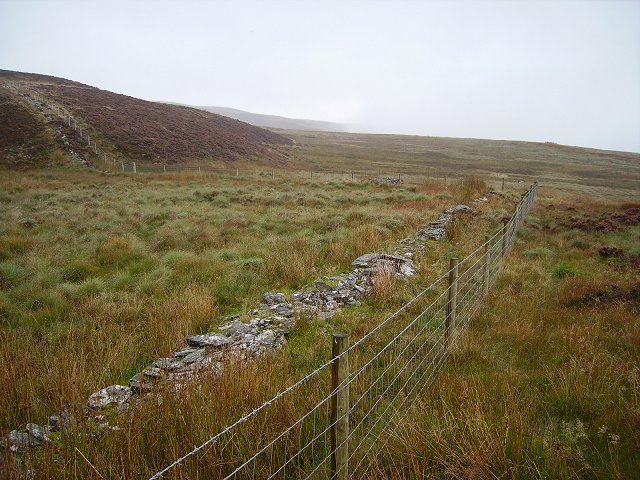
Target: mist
{"points": [[562, 71]]}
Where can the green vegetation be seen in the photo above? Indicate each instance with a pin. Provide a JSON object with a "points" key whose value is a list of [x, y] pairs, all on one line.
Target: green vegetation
{"points": [[101, 273]]}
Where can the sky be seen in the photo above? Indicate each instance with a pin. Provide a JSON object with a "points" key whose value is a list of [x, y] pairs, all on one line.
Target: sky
{"points": [[547, 70]]}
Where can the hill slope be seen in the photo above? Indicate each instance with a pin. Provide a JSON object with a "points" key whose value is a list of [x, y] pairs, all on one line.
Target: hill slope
{"points": [[132, 128], [24, 138], [274, 121]]}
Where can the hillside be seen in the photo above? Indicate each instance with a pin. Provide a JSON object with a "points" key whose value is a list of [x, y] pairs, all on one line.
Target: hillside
{"points": [[585, 169], [24, 138], [275, 121], [131, 128]]}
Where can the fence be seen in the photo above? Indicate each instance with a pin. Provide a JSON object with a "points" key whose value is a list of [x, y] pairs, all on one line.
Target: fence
{"points": [[353, 402]]}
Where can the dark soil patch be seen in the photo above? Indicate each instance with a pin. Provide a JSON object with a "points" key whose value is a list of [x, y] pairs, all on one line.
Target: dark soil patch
{"points": [[612, 294], [609, 222]]}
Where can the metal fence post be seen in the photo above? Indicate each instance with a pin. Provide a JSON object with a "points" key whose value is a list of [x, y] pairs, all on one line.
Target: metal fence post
{"points": [[485, 266], [339, 408], [450, 320]]}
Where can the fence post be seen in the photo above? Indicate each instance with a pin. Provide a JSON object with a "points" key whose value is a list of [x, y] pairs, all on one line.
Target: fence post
{"points": [[352, 176], [237, 172], [134, 168], [504, 237], [271, 173], [450, 320], [339, 408], [164, 168], [503, 184], [311, 174], [485, 266]]}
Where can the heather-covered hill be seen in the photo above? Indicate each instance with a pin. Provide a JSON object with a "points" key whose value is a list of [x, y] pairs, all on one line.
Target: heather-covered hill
{"points": [[25, 140], [143, 130]]}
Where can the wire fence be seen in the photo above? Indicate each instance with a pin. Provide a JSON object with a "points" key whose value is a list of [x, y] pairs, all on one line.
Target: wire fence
{"points": [[113, 162], [352, 403]]}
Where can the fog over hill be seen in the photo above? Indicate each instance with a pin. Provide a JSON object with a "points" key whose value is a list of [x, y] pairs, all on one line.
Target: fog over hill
{"points": [[274, 121]]}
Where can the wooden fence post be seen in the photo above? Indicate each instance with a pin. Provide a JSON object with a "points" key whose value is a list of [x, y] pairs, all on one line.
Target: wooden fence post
{"points": [[504, 237], [503, 184], [134, 168], [237, 172], [122, 166], [339, 408], [450, 320], [164, 168], [485, 266]]}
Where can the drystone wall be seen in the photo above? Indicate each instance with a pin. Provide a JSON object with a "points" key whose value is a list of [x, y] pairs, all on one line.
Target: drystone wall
{"points": [[260, 331]]}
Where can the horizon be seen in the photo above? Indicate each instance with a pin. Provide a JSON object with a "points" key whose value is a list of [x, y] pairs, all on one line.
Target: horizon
{"points": [[564, 72]]}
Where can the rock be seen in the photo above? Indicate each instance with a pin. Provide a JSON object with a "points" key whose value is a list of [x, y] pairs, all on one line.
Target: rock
{"points": [[274, 298], [386, 180], [212, 340], [235, 328], [139, 384], [185, 352], [401, 265], [17, 441], [33, 435], [407, 270], [194, 357], [61, 422], [268, 337], [117, 395], [167, 364], [152, 372], [37, 432], [366, 260]]}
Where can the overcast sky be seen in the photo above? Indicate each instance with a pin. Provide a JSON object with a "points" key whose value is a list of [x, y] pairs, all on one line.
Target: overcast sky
{"points": [[562, 71]]}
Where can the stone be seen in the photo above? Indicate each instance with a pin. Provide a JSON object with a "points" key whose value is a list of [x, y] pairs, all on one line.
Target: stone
{"points": [[117, 395], [139, 384], [366, 260], [407, 269], [18, 441], [196, 356], [268, 337], [212, 340], [185, 352], [273, 298], [235, 328], [38, 432]]}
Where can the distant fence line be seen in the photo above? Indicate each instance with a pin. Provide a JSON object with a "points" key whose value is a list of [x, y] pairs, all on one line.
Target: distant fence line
{"points": [[363, 392]]}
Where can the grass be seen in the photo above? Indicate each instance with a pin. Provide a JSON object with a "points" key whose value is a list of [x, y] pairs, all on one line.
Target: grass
{"points": [[117, 270]]}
